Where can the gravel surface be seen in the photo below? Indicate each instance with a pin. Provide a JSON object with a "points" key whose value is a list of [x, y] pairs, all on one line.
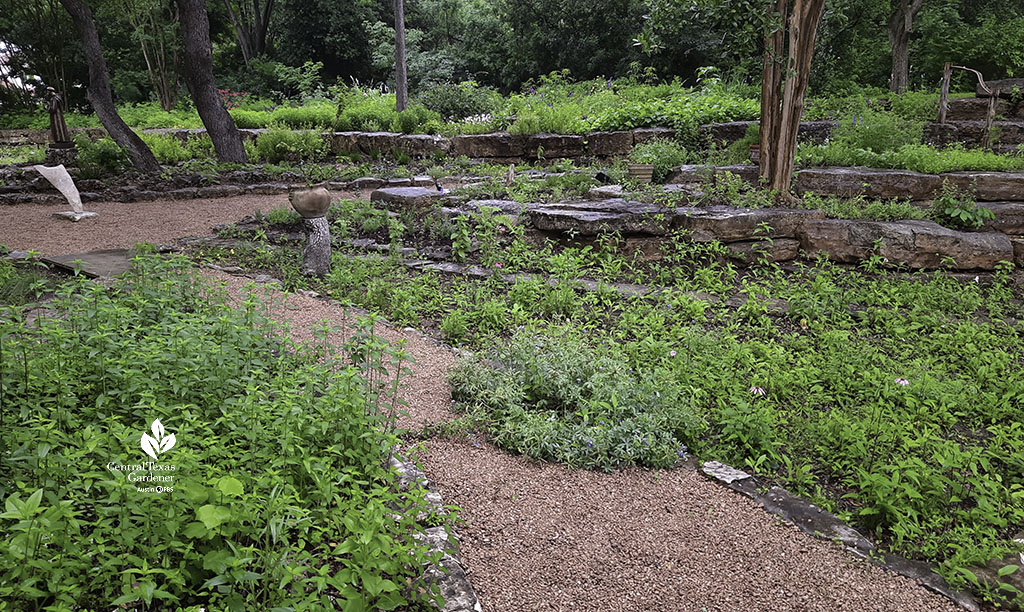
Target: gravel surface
{"points": [[539, 536], [121, 225]]}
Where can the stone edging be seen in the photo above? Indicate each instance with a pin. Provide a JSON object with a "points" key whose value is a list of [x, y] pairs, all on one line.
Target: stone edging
{"points": [[448, 573], [824, 525]]}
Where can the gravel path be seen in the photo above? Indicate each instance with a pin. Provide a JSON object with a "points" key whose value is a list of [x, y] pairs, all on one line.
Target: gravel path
{"points": [[539, 536]]}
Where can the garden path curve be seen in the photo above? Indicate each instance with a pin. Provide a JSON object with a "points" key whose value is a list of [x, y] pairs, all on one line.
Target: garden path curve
{"points": [[538, 536]]}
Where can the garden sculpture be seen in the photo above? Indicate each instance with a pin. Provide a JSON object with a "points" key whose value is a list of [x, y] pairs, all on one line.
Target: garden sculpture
{"points": [[58, 128], [58, 177], [312, 204]]}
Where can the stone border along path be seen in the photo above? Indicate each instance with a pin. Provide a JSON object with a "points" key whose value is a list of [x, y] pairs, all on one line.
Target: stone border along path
{"points": [[540, 536]]}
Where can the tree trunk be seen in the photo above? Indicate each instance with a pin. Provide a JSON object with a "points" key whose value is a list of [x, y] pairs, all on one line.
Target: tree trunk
{"points": [[785, 107], [771, 84], [195, 31], [901, 25], [401, 80], [99, 90]]}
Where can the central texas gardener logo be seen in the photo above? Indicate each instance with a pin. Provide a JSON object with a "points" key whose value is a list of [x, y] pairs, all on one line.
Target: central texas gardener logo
{"points": [[160, 442]]}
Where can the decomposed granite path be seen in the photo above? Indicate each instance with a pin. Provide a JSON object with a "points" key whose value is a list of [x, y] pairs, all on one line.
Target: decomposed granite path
{"points": [[538, 536]]}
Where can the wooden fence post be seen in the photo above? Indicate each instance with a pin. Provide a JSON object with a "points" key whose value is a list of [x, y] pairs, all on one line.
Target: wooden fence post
{"points": [[993, 100], [947, 71]]}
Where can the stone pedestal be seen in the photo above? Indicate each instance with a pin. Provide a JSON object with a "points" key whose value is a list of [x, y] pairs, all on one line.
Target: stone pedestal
{"points": [[61, 154], [316, 257]]}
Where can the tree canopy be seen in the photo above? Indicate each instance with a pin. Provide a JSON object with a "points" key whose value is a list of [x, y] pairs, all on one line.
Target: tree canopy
{"points": [[277, 48]]}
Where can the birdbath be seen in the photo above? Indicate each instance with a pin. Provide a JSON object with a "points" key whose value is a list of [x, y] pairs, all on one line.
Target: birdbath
{"points": [[312, 204]]}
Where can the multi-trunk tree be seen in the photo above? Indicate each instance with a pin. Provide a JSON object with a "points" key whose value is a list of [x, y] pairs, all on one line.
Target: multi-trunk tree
{"points": [[787, 30], [788, 50], [99, 89], [251, 22], [155, 28]]}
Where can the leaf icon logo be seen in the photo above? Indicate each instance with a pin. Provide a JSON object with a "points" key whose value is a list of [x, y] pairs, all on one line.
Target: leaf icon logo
{"points": [[159, 442]]}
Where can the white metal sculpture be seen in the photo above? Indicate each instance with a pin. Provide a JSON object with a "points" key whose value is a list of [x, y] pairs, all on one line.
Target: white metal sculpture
{"points": [[59, 178]]}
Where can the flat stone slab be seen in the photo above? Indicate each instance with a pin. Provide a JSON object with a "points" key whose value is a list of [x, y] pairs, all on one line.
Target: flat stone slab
{"points": [[1006, 87], [75, 217], [1009, 217], [867, 182], [603, 216], [497, 144], [968, 109], [917, 244], [723, 472], [616, 205], [606, 144], [406, 197], [872, 182], [555, 145], [727, 224], [106, 263], [989, 186]]}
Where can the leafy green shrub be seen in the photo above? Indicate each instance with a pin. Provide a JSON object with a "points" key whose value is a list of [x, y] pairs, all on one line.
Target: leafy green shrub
{"points": [[308, 116], [250, 119], [275, 80], [151, 115], [101, 157], [367, 111], [917, 157], [166, 148], [558, 398], [200, 146], [684, 114], [275, 474], [877, 132], [414, 119], [958, 209], [37, 119], [461, 101], [277, 145], [283, 216], [915, 106], [858, 208], [664, 154]]}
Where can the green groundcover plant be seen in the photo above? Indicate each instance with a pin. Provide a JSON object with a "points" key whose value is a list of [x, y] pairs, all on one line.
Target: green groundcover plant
{"points": [[165, 451], [890, 399]]}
